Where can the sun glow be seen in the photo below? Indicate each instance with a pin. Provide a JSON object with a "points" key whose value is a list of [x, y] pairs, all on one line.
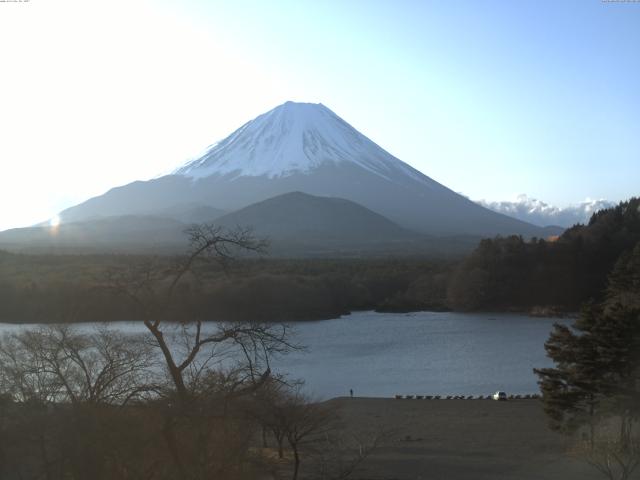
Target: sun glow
{"points": [[54, 222]]}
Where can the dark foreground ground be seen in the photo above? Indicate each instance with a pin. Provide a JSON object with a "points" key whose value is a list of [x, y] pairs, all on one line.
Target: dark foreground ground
{"points": [[462, 439]]}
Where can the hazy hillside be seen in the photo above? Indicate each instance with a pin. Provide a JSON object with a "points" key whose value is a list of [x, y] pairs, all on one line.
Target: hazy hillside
{"points": [[192, 213], [127, 233], [296, 224], [306, 218]]}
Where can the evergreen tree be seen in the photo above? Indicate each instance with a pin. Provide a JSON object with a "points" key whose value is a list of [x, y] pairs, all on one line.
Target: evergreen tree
{"points": [[568, 391], [597, 371], [509, 272], [624, 281]]}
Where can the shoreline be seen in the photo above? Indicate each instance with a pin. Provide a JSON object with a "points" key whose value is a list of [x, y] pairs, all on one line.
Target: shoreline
{"points": [[525, 313]]}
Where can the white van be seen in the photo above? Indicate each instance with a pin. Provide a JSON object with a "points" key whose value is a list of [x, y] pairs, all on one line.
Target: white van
{"points": [[499, 396]]}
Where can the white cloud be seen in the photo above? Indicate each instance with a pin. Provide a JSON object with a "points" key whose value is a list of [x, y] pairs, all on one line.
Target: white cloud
{"points": [[540, 213]]}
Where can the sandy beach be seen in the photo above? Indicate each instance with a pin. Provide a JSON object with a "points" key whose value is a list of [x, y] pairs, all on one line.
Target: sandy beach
{"points": [[462, 439]]}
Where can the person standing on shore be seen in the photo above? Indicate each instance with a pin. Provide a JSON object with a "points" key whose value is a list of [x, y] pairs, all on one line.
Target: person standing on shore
{"points": [[351, 392]]}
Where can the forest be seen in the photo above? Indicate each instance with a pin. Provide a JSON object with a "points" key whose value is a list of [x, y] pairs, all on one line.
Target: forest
{"points": [[49, 289], [558, 274], [539, 276]]}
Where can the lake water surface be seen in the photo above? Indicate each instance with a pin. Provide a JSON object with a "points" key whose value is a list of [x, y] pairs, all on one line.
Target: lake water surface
{"points": [[382, 354]]}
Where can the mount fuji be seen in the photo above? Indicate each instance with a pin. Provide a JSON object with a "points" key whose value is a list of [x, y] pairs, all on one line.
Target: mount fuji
{"points": [[304, 147]]}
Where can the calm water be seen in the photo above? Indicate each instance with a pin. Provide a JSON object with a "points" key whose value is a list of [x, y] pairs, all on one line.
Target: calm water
{"points": [[381, 354]]}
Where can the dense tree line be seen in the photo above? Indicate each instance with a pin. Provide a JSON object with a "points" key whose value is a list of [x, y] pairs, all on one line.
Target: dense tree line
{"points": [[47, 289], [513, 273]]}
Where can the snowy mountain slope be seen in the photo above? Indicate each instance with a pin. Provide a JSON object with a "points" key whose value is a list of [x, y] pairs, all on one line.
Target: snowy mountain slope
{"points": [[307, 148], [293, 138], [540, 213]]}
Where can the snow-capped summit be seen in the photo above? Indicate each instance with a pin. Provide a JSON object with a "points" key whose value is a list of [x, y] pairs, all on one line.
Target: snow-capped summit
{"points": [[292, 138]]}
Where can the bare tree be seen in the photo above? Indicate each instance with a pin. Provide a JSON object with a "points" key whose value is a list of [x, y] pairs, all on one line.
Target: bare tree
{"points": [[614, 459], [340, 453], [291, 417], [65, 391], [60, 364], [268, 408], [312, 431], [207, 364], [152, 287], [303, 421]]}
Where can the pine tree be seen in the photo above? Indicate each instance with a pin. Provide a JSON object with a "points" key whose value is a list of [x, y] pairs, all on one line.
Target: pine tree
{"points": [[568, 392], [624, 281], [597, 371]]}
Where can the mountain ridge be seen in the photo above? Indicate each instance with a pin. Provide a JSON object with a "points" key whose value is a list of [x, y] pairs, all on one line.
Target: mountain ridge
{"points": [[297, 225], [540, 213]]}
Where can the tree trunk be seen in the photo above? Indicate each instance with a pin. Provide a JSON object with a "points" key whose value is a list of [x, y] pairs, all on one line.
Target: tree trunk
{"points": [[625, 431], [174, 371], [170, 439], [45, 458], [280, 448], [296, 461], [592, 432]]}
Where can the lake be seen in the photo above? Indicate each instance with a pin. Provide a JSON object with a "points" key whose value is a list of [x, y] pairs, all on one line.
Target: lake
{"points": [[428, 353], [382, 354]]}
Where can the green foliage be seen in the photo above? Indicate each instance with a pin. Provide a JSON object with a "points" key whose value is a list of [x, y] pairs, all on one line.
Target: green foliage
{"points": [[511, 273], [597, 362], [69, 288], [624, 281]]}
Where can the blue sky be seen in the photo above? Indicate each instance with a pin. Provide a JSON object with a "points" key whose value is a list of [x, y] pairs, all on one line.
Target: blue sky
{"points": [[492, 99]]}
